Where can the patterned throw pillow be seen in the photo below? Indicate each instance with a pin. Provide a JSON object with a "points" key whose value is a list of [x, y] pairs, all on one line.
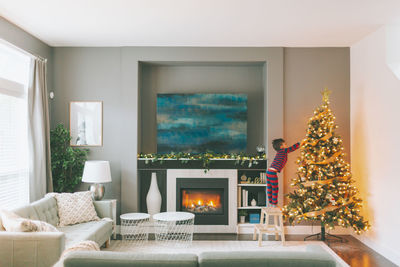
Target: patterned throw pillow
{"points": [[75, 208], [42, 226], [1, 225], [14, 223]]}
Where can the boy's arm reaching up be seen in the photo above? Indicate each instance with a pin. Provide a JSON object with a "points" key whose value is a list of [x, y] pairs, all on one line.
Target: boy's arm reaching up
{"points": [[292, 148]]}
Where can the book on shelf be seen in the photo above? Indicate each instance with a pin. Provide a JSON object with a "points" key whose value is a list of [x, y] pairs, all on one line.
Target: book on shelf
{"points": [[261, 198], [239, 197], [263, 177], [245, 194]]}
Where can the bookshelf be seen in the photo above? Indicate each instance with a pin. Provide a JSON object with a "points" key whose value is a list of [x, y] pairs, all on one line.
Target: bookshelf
{"points": [[251, 185]]}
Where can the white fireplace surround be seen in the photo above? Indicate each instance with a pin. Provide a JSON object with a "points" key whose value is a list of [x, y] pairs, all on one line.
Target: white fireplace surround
{"points": [[231, 175]]}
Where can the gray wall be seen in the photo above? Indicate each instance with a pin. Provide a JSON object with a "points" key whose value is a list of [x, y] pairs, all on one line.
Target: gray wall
{"points": [[113, 76], [191, 78], [307, 71], [93, 74]]}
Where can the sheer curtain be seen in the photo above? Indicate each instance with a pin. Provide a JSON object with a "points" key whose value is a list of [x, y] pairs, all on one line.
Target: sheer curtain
{"points": [[40, 178], [14, 166]]}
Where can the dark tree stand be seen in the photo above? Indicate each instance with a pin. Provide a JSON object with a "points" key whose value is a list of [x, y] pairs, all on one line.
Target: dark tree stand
{"points": [[323, 236]]}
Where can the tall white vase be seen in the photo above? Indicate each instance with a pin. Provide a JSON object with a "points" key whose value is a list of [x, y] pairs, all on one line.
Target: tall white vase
{"points": [[153, 198]]}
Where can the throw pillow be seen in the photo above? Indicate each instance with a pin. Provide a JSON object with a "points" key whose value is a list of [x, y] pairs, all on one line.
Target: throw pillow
{"points": [[75, 208], [86, 245], [14, 223], [42, 226], [1, 225]]}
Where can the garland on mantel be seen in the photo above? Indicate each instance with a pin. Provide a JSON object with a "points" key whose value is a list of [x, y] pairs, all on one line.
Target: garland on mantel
{"points": [[240, 159]]}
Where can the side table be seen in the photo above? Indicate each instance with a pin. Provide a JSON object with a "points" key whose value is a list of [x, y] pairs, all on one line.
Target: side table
{"points": [[174, 227], [134, 226]]}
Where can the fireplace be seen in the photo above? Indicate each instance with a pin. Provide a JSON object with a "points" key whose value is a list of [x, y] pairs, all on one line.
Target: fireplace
{"points": [[202, 201], [207, 199], [211, 196]]}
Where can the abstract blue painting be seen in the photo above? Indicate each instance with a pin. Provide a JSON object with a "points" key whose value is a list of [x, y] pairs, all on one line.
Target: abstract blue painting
{"points": [[198, 123]]}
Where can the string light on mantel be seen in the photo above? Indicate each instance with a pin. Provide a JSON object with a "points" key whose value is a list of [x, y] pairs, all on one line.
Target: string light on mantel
{"points": [[240, 159]]}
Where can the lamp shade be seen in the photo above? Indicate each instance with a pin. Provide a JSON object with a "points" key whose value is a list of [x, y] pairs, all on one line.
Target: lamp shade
{"points": [[96, 171]]}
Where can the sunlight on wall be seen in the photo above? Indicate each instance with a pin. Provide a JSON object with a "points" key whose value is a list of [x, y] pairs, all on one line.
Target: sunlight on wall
{"points": [[375, 142], [393, 48]]}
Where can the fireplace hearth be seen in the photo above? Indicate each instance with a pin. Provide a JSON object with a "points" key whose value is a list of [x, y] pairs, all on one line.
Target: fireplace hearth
{"points": [[216, 186]]}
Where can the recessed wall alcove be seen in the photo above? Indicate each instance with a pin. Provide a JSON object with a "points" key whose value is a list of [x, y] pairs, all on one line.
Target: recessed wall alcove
{"points": [[201, 77]]}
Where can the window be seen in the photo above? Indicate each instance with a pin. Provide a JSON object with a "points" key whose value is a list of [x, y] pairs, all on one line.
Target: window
{"points": [[14, 164]]}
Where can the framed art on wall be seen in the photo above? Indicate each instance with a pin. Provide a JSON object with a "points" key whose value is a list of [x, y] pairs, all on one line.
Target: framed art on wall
{"points": [[86, 123], [197, 123]]}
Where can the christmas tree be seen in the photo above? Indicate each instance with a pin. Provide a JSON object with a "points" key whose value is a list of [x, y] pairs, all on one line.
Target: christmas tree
{"points": [[324, 188]]}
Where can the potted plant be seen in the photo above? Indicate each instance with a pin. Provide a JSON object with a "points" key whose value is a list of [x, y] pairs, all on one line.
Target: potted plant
{"points": [[66, 162], [242, 216]]}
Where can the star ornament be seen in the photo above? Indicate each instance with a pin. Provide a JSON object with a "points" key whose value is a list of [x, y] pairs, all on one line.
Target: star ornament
{"points": [[325, 94]]}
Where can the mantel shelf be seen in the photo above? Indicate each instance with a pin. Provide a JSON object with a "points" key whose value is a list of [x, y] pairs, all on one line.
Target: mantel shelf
{"points": [[148, 164]]}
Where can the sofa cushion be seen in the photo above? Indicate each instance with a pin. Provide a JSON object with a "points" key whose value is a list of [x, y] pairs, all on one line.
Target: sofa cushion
{"points": [[75, 208], [97, 231], [123, 259], [46, 209], [265, 258]]}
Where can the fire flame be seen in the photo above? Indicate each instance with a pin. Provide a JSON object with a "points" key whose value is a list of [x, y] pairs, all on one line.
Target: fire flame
{"points": [[200, 200]]}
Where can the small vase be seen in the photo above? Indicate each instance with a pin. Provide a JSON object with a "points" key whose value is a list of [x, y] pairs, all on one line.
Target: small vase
{"points": [[242, 219], [253, 202], [153, 198]]}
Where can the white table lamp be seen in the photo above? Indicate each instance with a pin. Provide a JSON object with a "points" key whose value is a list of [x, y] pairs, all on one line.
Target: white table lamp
{"points": [[96, 172]]}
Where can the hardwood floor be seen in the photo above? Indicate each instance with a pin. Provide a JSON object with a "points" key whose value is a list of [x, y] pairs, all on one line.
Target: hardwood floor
{"points": [[352, 251]]}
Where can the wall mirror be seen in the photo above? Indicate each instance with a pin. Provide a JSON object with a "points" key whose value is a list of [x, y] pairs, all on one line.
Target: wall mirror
{"points": [[86, 123]]}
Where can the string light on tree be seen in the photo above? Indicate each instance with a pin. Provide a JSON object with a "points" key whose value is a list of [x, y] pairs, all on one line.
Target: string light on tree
{"points": [[324, 189]]}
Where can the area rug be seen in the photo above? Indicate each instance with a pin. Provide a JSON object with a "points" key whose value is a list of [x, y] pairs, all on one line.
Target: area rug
{"points": [[201, 246]]}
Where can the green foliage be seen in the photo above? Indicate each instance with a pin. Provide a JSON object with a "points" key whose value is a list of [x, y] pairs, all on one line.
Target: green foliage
{"points": [[66, 162], [205, 158], [243, 213]]}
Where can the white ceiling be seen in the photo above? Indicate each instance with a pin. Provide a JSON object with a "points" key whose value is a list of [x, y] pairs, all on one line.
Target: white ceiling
{"points": [[200, 22]]}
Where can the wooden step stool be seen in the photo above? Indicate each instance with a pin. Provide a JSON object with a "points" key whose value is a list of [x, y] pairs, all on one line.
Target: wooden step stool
{"points": [[264, 227]]}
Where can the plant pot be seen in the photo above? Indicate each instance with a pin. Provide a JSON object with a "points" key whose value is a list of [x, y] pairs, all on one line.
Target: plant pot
{"points": [[242, 219], [153, 198]]}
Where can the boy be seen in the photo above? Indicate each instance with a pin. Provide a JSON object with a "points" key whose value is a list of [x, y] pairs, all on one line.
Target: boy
{"points": [[277, 165]]}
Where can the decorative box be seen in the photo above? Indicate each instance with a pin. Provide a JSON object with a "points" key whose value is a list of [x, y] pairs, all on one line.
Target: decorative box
{"points": [[254, 218]]}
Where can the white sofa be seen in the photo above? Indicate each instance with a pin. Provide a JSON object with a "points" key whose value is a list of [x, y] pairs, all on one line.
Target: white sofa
{"points": [[44, 248]]}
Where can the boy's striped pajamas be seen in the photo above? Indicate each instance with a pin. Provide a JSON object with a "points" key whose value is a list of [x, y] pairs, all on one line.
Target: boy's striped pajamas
{"points": [[272, 186], [276, 166]]}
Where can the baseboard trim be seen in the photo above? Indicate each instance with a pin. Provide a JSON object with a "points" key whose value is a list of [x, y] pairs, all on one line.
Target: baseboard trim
{"points": [[299, 230], [290, 230], [386, 252]]}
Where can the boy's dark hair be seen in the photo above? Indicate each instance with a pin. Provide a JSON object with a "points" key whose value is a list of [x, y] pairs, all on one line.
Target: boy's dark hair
{"points": [[277, 143]]}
